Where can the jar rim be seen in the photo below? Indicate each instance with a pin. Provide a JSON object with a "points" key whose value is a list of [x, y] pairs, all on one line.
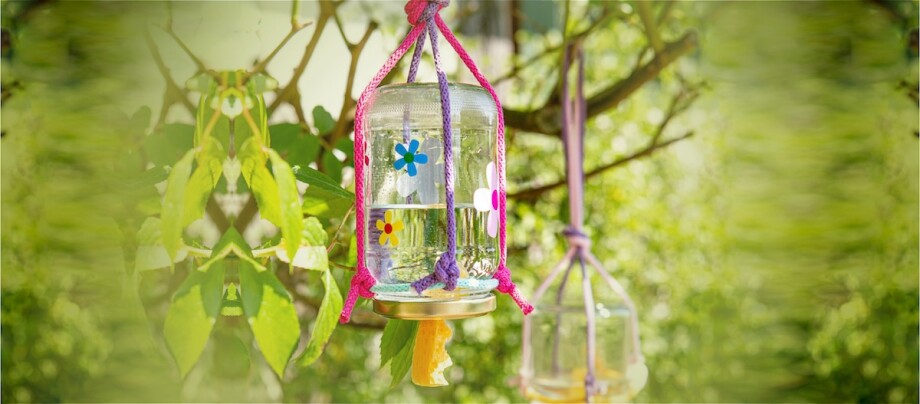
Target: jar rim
{"points": [[433, 85]]}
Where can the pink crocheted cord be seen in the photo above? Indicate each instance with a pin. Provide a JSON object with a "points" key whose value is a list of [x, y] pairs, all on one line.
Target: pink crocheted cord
{"points": [[362, 281], [503, 275]]}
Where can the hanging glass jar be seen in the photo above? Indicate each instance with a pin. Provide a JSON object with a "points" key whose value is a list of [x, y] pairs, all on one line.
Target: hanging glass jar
{"points": [[556, 356], [405, 195], [581, 344], [429, 188]]}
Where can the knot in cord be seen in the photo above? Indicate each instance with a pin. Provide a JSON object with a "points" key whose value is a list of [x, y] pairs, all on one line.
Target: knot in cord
{"points": [[418, 11], [576, 238], [445, 270]]}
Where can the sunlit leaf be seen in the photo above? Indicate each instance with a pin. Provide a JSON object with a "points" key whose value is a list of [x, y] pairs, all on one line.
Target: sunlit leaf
{"points": [[260, 181], [173, 204], [306, 257], [271, 315], [291, 214], [313, 233], [192, 314], [232, 306], [326, 320], [203, 180], [155, 257], [324, 197]]}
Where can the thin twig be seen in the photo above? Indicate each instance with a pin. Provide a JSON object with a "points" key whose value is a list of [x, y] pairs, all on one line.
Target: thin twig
{"points": [[545, 120], [533, 193], [517, 68], [650, 26], [173, 93], [289, 91], [335, 235], [198, 63], [261, 65]]}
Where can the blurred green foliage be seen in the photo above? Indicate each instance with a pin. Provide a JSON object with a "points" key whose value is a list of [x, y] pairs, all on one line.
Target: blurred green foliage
{"points": [[773, 255]]}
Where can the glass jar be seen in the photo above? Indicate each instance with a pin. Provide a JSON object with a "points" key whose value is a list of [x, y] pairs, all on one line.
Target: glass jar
{"points": [[555, 366], [404, 189]]}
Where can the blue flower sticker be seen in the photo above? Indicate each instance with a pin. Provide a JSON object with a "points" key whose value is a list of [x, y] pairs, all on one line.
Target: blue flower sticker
{"points": [[409, 157]]}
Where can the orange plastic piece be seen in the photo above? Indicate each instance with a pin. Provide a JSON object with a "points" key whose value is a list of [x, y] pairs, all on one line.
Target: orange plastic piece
{"points": [[430, 358]]}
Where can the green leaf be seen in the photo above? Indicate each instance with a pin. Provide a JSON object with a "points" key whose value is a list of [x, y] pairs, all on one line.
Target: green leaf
{"points": [[261, 116], [173, 204], [324, 198], [298, 146], [271, 315], [260, 181], [291, 213], [140, 120], [148, 178], [203, 180], [396, 335], [201, 118], [313, 233], [192, 315], [260, 83], [402, 361], [169, 143], [332, 166], [233, 241], [232, 306], [155, 257], [149, 234], [222, 131], [322, 120], [326, 320], [307, 257], [352, 252]]}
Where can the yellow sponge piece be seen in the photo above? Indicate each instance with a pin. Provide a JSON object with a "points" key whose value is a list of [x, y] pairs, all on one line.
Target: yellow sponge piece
{"points": [[430, 358]]}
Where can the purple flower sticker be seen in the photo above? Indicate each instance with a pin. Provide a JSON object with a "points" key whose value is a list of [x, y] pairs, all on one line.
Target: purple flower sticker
{"points": [[409, 157], [486, 199]]}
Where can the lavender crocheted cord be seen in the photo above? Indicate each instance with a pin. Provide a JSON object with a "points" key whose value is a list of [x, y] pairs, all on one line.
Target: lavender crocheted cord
{"points": [[446, 269]]}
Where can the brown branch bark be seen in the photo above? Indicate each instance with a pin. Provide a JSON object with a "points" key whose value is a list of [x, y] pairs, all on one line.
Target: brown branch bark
{"points": [[533, 193], [343, 124], [644, 9], [173, 93], [545, 120], [287, 93]]}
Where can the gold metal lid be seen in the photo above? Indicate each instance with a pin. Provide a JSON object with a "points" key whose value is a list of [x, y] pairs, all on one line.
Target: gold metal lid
{"points": [[441, 309]]}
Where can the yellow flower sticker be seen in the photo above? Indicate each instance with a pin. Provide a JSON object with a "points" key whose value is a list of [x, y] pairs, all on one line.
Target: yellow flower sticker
{"points": [[388, 228]]}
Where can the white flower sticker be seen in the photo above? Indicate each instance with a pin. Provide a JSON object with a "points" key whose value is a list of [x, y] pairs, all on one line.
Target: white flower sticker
{"points": [[486, 199]]}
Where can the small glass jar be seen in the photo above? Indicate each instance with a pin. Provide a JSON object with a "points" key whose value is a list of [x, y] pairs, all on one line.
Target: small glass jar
{"points": [[405, 198], [556, 364]]}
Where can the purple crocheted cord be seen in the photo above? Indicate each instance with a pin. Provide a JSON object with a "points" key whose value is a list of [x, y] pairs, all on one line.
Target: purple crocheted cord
{"points": [[445, 270]]}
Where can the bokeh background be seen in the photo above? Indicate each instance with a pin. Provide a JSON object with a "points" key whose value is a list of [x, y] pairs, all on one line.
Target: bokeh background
{"points": [[772, 249]]}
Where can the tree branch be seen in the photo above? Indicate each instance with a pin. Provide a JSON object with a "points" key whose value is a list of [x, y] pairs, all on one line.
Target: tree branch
{"points": [[260, 66], [533, 193], [644, 9], [343, 124], [173, 92], [545, 120], [289, 92], [198, 63]]}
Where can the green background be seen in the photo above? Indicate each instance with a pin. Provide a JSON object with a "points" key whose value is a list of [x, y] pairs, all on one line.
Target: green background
{"points": [[773, 255]]}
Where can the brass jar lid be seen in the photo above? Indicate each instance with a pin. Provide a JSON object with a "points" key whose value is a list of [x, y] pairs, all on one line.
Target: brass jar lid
{"points": [[439, 309]]}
